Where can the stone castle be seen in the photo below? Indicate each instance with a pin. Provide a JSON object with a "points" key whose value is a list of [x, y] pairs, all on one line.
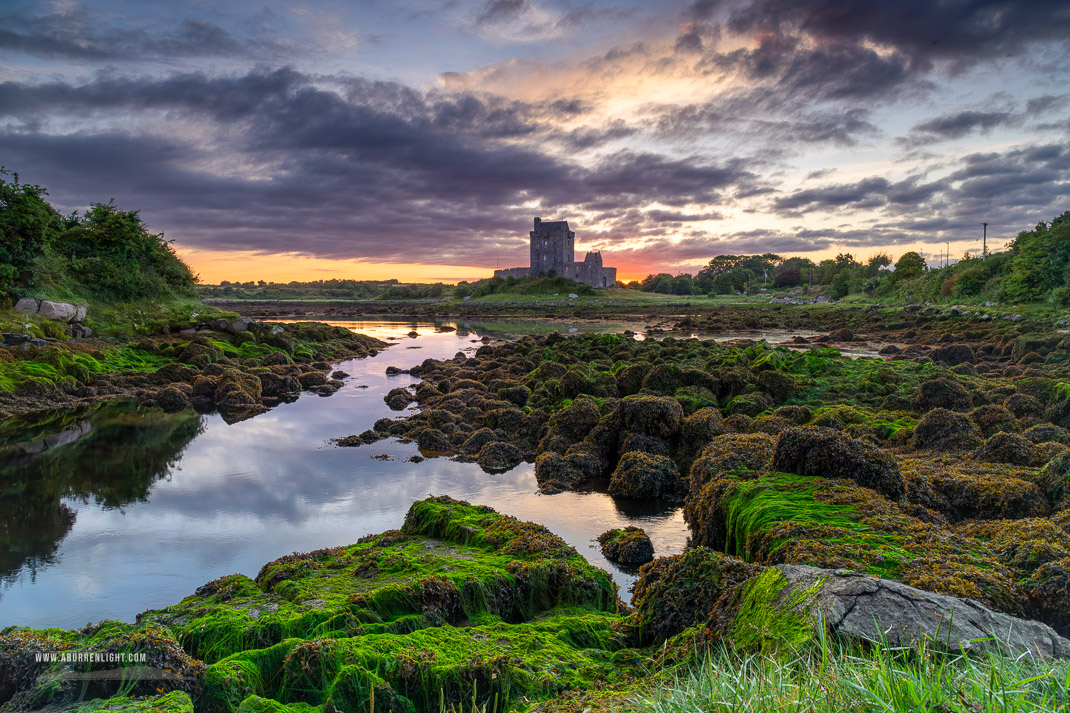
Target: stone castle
{"points": [[553, 253]]}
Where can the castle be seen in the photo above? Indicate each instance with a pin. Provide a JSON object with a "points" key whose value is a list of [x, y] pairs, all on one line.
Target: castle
{"points": [[553, 253]]}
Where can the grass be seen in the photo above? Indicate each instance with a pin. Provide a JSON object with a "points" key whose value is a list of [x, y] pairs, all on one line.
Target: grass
{"points": [[830, 677]]}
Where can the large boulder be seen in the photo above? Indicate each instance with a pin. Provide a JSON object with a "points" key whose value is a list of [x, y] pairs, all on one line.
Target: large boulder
{"points": [[59, 311], [27, 305], [827, 453], [861, 608]]}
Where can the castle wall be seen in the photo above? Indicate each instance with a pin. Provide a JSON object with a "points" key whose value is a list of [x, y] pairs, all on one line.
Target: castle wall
{"points": [[552, 251]]}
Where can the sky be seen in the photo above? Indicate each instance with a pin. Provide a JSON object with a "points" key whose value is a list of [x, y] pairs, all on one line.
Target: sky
{"points": [[417, 139]]}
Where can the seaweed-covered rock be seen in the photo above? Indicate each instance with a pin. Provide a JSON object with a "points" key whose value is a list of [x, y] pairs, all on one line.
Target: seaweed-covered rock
{"points": [[574, 421], [172, 400], [432, 439], [1047, 433], [517, 395], [992, 419], [398, 398], [942, 393], [474, 443], [1008, 448], [639, 475], [630, 546], [498, 456], [732, 452], [659, 416], [554, 473], [963, 488], [944, 429], [678, 592], [953, 354], [750, 404], [1054, 479], [1049, 594], [827, 453], [1023, 405]]}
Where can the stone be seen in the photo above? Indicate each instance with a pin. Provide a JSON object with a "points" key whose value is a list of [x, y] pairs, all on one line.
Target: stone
{"points": [[191, 330], [218, 324], [858, 607], [241, 324], [80, 331], [28, 305], [572, 296], [11, 338], [79, 313], [59, 311]]}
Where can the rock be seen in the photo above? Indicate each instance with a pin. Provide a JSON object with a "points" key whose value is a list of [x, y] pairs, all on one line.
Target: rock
{"points": [[11, 338], [191, 330], [861, 608], [28, 305], [399, 398], [498, 456], [554, 473], [80, 331], [241, 324], [79, 313], [171, 399], [311, 379], [339, 375], [942, 393], [954, 354], [219, 325], [1008, 448], [947, 430], [827, 453], [639, 476], [59, 311], [630, 546]]}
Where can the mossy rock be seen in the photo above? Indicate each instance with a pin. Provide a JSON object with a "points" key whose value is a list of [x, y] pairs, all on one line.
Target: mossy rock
{"points": [[554, 473], [452, 562], [749, 452], [676, 593], [499, 456], [943, 393], [749, 404], [943, 429], [828, 453], [399, 398], [991, 419], [658, 416], [962, 488], [630, 546], [1008, 448], [641, 476]]}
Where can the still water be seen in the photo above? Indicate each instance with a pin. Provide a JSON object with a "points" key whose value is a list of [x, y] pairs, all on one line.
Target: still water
{"points": [[109, 512]]}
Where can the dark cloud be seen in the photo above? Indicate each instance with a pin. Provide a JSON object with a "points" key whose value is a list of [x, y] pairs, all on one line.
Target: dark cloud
{"points": [[957, 125], [76, 34], [498, 12], [921, 29], [339, 162]]}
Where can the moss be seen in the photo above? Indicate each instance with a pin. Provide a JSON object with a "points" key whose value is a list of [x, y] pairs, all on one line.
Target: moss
{"points": [[992, 419], [731, 452], [173, 702], [943, 393], [771, 619], [961, 488]]}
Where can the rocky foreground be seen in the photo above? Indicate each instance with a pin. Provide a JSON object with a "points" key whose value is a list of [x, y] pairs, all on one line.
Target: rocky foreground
{"points": [[239, 367], [463, 606]]}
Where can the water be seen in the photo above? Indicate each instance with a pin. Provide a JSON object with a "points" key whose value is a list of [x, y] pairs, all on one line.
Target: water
{"points": [[125, 509], [108, 512]]}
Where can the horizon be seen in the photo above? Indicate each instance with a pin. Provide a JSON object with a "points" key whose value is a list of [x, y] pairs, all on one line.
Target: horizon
{"points": [[308, 141]]}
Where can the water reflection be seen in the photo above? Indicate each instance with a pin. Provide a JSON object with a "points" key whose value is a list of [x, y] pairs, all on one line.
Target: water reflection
{"points": [[110, 455], [107, 513]]}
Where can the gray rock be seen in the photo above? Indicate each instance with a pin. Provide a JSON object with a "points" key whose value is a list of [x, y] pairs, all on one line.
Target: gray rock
{"points": [[858, 607], [28, 305], [33, 342], [191, 330], [219, 324], [80, 331], [59, 311], [277, 329], [241, 324], [11, 338], [79, 313]]}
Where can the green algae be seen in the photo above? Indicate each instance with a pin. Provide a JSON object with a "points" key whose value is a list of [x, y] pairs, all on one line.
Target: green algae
{"points": [[769, 619]]}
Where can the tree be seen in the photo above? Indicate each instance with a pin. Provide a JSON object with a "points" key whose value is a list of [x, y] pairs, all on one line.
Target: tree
{"points": [[909, 266], [27, 224]]}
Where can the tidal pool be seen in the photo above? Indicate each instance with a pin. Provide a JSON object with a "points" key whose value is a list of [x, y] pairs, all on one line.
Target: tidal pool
{"points": [[108, 512]]}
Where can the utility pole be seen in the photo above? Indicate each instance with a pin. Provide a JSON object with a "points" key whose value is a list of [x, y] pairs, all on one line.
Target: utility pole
{"points": [[947, 255], [984, 241]]}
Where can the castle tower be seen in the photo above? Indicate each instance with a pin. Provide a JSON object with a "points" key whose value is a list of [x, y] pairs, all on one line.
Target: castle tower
{"points": [[552, 247]]}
